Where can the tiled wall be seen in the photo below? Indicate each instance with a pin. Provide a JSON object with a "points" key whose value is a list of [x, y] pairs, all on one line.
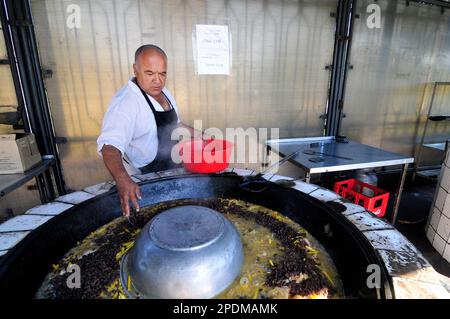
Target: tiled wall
{"points": [[438, 225]]}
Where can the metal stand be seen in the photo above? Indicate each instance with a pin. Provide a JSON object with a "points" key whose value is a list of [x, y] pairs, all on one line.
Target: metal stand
{"points": [[26, 72], [422, 140], [398, 196], [308, 177]]}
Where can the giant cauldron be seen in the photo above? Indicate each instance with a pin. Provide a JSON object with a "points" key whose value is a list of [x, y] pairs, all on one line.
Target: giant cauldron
{"points": [[24, 267]]}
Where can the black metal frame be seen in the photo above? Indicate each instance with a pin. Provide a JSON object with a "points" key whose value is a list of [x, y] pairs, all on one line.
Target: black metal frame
{"points": [[26, 71], [343, 37], [345, 17]]}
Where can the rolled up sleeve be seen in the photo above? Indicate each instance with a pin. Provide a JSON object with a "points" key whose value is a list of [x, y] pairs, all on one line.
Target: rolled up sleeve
{"points": [[117, 130]]}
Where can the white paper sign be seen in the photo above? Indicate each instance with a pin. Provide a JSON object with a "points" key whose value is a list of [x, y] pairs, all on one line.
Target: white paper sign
{"points": [[213, 49]]}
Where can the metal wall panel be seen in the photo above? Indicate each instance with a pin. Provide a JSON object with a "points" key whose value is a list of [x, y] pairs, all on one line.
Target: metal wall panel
{"points": [[3, 53], [388, 91], [280, 49]]}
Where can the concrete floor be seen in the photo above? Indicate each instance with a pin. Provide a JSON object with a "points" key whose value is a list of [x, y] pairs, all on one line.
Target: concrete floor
{"points": [[413, 213]]}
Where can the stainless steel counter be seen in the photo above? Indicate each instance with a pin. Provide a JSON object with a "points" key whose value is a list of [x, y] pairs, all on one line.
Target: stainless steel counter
{"points": [[325, 154]]}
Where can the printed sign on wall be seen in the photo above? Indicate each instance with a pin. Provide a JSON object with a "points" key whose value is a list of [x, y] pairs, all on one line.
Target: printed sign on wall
{"points": [[213, 49]]}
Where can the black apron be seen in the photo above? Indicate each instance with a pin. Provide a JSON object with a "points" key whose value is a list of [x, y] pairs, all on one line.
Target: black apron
{"points": [[166, 122]]}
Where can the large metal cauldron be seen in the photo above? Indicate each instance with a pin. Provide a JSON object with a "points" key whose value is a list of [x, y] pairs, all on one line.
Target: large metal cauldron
{"points": [[24, 268]]}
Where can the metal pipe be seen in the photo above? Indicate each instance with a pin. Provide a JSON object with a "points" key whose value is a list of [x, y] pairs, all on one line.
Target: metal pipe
{"points": [[343, 36]]}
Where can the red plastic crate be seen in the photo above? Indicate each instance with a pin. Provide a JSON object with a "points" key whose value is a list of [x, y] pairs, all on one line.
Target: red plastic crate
{"points": [[372, 198]]}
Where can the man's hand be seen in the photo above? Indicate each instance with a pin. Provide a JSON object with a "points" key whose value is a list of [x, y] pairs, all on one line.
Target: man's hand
{"points": [[129, 191]]}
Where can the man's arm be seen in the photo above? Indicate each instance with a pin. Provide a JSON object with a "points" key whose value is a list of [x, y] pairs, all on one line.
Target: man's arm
{"points": [[128, 190]]}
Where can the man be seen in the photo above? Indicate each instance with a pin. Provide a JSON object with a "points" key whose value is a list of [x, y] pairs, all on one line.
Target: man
{"points": [[136, 131]]}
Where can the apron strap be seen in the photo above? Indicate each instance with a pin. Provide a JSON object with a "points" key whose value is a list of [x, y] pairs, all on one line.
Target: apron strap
{"points": [[150, 102], [147, 99]]}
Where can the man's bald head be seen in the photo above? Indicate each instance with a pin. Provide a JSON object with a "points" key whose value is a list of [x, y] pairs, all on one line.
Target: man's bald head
{"points": [[150, 69], [149, 47]]}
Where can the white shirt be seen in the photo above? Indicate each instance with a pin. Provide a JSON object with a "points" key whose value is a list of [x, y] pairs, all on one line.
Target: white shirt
{"points": [[129, 125]]}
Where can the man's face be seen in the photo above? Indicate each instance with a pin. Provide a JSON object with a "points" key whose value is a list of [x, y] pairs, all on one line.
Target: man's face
{"points": [[150, 70]]}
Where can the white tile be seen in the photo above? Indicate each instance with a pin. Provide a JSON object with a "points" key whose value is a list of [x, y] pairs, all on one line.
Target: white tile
{"points": [[23, 223], [366, 221], [390, 240], [440, 198], [429, 216], [444, 227], [445, 178], [113, 182], [99, 188], [274, 177], [3, 252], [447, 252], [324, 195], [243, 172], [174, 172], [75, 198], [447, 158], [435, 218], [441, 173], [439, 244], [135, 179], [430, 233], [353, 209], [148, 177], [9, 240], [446, 208], [305, 187], [54, 208], [399, 263]]}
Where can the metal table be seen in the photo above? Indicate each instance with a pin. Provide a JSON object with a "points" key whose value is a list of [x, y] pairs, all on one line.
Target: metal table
{"points": [[351, 156]]}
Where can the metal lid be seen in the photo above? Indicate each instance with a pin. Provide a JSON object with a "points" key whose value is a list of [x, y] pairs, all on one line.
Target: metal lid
{"points": [[186, 228]]}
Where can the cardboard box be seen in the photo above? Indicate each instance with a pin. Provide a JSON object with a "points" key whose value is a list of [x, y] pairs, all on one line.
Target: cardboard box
{"points": [[18, 153]]}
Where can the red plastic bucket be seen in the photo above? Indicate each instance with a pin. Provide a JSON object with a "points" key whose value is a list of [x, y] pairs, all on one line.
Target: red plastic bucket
{"points": [[206, 156]]}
